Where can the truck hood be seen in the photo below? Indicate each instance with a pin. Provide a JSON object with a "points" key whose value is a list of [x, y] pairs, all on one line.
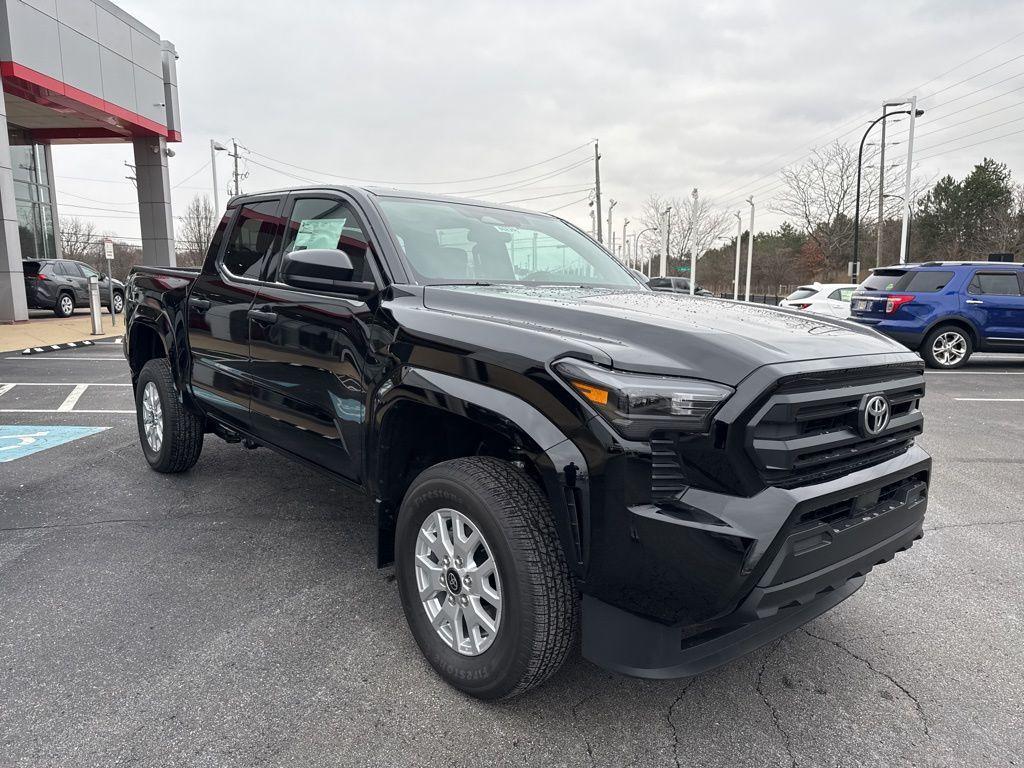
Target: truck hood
{"points": [[665, 333]]}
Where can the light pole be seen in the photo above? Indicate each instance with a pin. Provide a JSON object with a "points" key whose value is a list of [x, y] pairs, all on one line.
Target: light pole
{"points": [[736, 271], [913, 112], [750, 244], [668, 229], [636, 245], [693, 244], [611, 237], [881, 183], [905, 233], [625, 254], [215, 147]]}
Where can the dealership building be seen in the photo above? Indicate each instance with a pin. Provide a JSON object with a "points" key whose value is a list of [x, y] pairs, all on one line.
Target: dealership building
{"points": [[78, 72]]}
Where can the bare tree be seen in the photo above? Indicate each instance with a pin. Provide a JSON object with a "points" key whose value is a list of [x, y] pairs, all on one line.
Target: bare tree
{"points": [[195, 231], [77, 237], [693, 221]]}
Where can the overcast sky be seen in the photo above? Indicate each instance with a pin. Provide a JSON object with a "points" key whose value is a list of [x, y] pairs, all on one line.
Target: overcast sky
{"points": [[710, 95]]}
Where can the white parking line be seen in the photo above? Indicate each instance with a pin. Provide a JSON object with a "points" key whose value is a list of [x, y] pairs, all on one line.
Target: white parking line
{"points": [[60, 384], [990, 399], [52, 410], [65, 357], [5, 388], [73, 397]]}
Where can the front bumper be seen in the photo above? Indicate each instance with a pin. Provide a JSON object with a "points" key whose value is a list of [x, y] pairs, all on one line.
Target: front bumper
{"points": [[798, 553]]}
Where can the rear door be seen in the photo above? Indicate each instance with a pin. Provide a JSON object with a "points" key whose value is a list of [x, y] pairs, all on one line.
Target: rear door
{"points": [[76, 281], [312, 363], [218, 325], [838, 302], [995, 304]]}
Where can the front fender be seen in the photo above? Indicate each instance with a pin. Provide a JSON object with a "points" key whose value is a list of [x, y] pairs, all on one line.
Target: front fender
{"points": [[559, 463]]}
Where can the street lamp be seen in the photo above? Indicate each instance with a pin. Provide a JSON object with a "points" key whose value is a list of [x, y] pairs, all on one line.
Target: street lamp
{"points": [[668, 229], [860, 159], [215, 147], [636, 245]]}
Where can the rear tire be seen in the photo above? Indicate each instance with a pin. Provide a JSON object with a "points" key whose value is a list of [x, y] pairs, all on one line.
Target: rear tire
{"points": [[171, 435], [118, 302], [529, 637], [947, 347], [65, 306]]}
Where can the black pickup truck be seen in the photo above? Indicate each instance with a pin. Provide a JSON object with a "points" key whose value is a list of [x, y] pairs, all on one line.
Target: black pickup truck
{"points": [[551, 446]]}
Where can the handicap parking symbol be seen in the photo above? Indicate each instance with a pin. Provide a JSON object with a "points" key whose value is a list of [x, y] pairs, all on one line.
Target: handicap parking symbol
{"points": [[16, 442]]}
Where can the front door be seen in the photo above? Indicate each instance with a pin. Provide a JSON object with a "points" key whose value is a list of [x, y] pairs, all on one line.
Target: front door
{"points": [[995, 304], [75, 280], [311, 358], [218, 325]]}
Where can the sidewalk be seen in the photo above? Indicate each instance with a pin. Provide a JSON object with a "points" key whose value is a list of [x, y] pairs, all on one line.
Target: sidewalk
{"points": [[43, 328]]}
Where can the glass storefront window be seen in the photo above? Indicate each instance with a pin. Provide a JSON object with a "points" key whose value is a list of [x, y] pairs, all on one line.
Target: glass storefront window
{"points": [[32, 196]]}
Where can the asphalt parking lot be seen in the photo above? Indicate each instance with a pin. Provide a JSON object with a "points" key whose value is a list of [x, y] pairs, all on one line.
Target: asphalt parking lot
{"points": [[233, 616]]}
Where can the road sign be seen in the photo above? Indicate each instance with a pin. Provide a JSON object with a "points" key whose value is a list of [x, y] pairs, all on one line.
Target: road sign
{"points": [[682, 269], [108, 249]]}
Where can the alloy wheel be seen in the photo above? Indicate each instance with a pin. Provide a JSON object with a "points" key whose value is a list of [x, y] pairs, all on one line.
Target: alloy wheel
{"points": [[949, 348], [67, 304], [458, 582], [118, 303], [152, 417]]}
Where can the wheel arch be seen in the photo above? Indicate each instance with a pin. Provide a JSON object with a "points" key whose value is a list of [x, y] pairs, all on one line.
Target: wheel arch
{"points": [[958, 322], [465, 418]]}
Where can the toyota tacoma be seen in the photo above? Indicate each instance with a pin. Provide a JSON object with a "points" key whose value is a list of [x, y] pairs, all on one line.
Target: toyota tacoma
{"points": [[551, 447]]}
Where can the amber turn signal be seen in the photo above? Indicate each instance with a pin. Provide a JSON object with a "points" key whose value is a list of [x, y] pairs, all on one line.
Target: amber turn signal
{"points": [[592, 393]]}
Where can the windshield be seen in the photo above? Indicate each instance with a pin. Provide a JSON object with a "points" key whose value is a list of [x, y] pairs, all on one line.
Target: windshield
{"points": [[446, 242]]}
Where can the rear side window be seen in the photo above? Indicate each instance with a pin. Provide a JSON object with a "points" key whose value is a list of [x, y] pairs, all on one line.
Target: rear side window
{"points": [[925, 281], [841, 294], [660, 282], [995, 283], [883, 279], [801, 293], [256, 230], [66, 268]]}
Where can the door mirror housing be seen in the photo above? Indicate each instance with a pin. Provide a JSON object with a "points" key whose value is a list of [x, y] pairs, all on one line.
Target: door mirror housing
{"points": [[322, 269]]}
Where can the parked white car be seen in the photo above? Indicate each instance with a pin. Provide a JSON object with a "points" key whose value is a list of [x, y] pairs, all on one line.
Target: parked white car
{"points": [[832, 299]]}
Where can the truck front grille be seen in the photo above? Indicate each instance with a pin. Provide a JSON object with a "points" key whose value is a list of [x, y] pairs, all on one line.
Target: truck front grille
{"points": [[808, 430]]}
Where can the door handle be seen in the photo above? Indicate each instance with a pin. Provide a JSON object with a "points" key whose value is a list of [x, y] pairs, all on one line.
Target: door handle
{"points": [[262, 317], [973, 301], [200, 305]]}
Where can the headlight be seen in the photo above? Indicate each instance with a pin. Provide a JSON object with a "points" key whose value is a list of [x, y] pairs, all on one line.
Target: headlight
{"points": [[637, 404]]}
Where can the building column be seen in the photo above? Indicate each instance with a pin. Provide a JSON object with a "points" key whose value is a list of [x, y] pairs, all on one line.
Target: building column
{"points": [[51, 182], [154, 188], [13, 306]]}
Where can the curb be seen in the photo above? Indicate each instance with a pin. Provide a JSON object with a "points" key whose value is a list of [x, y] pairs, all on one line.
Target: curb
{"points": [[66, 345]]}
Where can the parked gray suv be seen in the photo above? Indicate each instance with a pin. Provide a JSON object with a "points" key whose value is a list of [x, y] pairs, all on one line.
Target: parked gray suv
{"points": [[63, 284]]}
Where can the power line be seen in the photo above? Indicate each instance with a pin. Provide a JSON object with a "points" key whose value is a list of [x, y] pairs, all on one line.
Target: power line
{"points": [[989, 128], [544, 197], [979, 74], [968, 146], [203, 167], [523, 183], [418, 183], [975, 133], [964, 63], [574, 202]]}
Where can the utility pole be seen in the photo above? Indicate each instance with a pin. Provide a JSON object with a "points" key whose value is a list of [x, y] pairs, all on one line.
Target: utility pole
{"points": [[234, 154], [133, 178], [611, 232], [668, 229], [736, 271], [693, 244], [904, 234], [750, 244], [881, 194], [597, 190]]}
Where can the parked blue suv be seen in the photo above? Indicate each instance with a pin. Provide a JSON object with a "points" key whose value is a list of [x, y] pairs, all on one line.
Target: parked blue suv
{"points": [[946, 309]]}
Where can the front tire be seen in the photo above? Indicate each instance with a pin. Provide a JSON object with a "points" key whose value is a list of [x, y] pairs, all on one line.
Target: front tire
{"points": [[171, 435], [118, 302], [65, 306], [482, 577], [947, 347]]}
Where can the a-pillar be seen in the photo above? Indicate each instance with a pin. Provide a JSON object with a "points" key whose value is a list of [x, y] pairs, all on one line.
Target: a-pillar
{"points": [[154, 202], [13, 306]]}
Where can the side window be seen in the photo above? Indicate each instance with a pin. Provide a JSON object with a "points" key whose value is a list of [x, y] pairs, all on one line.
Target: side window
{"points": [[87, 271], [331, 224], [68, 268], [995, 283], [926, 281], [256, 229], [841, 294], [660, 282]]}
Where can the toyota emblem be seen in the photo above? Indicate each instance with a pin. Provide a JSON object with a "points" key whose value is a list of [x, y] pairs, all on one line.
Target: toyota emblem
{"points": [[874, 415]]}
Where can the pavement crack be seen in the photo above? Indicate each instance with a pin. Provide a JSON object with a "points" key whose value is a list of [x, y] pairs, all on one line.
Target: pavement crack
{"points": [[867, 662], [974, 525], [671, 723], [586, 740], [786, 741]]}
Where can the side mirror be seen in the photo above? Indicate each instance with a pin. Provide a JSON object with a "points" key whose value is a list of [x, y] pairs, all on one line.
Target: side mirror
{"points": [[322, 269]]}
